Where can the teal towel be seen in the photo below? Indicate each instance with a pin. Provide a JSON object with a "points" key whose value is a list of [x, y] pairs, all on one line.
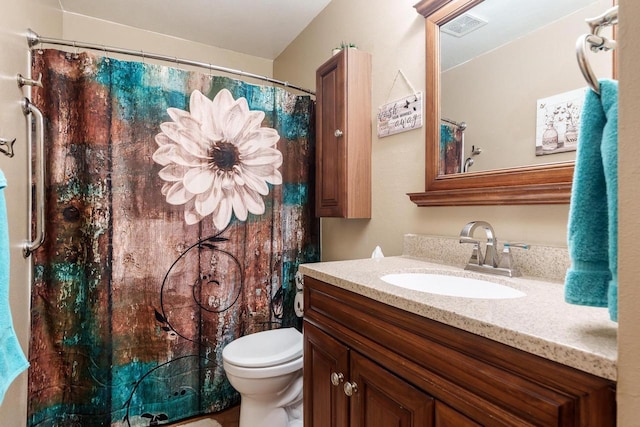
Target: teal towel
{"points": [[12, 360], [592, 278]]}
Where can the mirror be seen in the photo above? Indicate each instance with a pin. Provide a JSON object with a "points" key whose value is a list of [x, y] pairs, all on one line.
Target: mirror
{"points": [[500, 110]]}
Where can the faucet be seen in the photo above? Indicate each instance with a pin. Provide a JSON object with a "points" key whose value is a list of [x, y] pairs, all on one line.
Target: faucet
{"points": [[491, 262]]}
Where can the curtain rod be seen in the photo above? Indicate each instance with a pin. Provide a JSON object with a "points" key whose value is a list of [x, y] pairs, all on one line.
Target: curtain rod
{"points": [[34, 39], [461, 125]]}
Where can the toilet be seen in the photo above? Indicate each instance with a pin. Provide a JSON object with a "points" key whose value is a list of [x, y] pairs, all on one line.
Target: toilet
{"points": [[266, 369]]}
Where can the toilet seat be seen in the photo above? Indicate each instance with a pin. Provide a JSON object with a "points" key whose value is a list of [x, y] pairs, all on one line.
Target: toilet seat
{"points": [[264, 349], [268, 372]]}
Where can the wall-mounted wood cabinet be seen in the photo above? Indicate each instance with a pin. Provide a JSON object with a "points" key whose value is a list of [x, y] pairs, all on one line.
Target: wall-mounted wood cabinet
{"points": [[367, 364], [343, 136]]}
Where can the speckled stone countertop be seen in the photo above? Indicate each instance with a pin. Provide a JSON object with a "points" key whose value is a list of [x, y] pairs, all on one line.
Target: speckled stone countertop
{"points": [[540, 322]]}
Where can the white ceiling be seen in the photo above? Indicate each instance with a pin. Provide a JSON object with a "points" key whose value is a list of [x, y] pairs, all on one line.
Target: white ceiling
{"points": [[507, 20], [262, 28]]}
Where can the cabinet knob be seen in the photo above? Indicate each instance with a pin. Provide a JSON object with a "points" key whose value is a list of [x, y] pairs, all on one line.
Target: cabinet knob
{"points": [[336, 378], [350, 388], [338, 133]]}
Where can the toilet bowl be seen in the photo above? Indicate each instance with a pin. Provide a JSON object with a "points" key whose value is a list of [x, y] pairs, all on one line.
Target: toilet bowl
{"points": [[266, 369]]}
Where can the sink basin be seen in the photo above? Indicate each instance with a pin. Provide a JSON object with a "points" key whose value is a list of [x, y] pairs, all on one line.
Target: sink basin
{"points": [[454, 286]]}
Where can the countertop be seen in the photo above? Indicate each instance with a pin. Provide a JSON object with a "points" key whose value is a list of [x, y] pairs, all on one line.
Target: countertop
{"points": [[540, 323]]}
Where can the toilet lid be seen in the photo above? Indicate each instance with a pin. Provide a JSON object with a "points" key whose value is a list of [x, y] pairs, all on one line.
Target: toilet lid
{"points": [[262, 349]]}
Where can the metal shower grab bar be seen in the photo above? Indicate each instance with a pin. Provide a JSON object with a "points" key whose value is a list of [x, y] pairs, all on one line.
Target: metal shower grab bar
{"points": [[29, 108], [6, 145], [597, 43]]}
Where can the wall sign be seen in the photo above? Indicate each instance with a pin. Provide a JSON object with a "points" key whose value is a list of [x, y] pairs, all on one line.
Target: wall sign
{"points": [[400, 116]]}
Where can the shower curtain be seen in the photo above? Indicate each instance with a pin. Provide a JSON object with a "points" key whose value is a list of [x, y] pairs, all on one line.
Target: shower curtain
{"points": [[451, 148], [178, 209]]}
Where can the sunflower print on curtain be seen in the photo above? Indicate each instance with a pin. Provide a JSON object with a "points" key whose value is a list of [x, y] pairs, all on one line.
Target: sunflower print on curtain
{"points": [[178, 209]]}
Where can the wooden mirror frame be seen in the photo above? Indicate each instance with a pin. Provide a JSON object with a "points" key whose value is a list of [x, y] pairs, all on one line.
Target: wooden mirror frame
{"points": [[540, 184]]}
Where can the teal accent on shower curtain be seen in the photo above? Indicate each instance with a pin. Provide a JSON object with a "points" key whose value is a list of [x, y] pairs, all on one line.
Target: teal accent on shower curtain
{"points": [[179, 206]]}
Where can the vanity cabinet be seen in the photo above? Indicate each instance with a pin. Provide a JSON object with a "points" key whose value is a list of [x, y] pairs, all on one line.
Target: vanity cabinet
{"points": [[406, 370], [343, 136]]}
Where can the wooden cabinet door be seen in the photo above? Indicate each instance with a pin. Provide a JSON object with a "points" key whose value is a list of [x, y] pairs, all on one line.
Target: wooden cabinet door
{"points": [[382, 399], [331, 156], [448, 417], [325, 404], [343, 136]]}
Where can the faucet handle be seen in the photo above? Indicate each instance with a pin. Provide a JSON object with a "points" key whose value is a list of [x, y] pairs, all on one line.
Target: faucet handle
{"points": [[476, 255], [506, 261], [508, 245]]}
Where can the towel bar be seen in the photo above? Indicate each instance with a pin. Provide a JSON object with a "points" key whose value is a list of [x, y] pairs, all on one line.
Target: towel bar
{"points": [[597, 43]]}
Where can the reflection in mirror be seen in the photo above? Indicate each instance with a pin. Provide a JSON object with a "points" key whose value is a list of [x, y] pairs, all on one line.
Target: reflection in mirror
{"points": [[508, 71], [500, 95]]}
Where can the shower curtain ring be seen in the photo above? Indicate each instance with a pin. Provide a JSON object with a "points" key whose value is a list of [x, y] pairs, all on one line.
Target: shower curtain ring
{"points": [[106, 54], [210, 71]]}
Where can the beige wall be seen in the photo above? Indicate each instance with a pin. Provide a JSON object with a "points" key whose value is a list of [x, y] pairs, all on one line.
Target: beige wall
{"points": [[18, 16], [91, 30], [394, 34], [629, 215], [496, 93]]}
